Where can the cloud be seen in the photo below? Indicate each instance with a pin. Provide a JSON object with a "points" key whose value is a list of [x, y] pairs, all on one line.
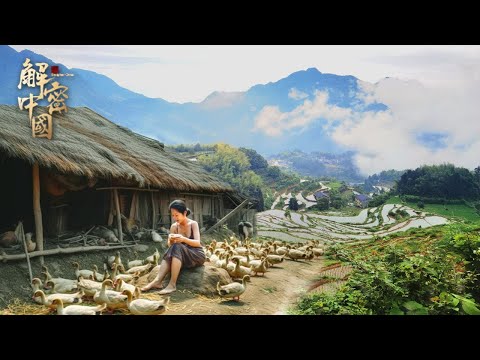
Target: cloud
{"points": [[366, 92], [296, 94], [273, 122], [395, 139]]}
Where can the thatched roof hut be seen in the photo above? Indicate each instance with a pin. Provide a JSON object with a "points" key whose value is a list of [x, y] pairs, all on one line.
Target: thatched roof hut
{"points": [[86, 143], [89, 153]]}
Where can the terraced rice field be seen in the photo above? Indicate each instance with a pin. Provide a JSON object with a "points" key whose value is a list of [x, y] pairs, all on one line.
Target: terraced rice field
{"points": [[330, 228]]}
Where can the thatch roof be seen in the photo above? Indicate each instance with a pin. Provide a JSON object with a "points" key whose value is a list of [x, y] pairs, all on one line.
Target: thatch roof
{"points": [[86, 143]]}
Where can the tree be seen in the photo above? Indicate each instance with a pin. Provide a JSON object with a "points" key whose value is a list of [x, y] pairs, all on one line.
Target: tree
{"points": [[232, 166], [336, 200], [439, 181], [323, 204], [274, 172], [292, 204], [257, 161], [476, 172]]}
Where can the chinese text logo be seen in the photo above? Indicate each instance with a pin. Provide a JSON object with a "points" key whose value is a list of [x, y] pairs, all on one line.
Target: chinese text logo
{"points": [[54, 93]]}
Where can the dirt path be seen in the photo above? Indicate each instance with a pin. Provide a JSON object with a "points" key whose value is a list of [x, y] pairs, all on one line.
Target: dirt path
{"points": [[271, 294]]}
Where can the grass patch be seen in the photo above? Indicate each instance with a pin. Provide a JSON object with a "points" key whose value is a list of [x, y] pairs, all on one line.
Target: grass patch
{"points": [[334, 185], [269, 289], [456, 211], [393, 200], [329, 262]]}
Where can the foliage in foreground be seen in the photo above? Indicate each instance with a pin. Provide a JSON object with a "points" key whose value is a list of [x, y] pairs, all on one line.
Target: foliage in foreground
{"points": [[427, 272]]}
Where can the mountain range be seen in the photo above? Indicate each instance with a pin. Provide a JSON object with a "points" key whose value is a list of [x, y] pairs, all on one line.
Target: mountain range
{"points": [[339, 166], [264, 117]]}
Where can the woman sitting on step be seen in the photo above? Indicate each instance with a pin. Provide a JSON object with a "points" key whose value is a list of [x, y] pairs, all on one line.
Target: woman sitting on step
{"points": [[185, 249]]}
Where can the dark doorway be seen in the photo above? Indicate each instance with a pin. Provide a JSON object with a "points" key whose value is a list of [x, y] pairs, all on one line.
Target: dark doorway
{"points": [[16, 197]]}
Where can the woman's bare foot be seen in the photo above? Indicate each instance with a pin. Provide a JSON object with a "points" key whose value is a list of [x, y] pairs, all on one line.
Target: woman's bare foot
{"points": [[152, 285], [169, 289]]}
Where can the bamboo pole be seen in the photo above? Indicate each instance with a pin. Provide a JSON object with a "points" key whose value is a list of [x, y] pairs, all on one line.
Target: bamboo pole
{"points": [[20, 233], [37, 210], [154, 212], [119, 216], [5, 257], [126, 188]]}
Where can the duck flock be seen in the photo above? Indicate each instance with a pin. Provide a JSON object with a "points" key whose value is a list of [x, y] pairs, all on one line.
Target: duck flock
{"points": [[117, 290]]}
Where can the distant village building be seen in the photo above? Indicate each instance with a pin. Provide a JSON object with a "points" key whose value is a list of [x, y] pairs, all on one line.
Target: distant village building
{"points": [[320, 194], [362, 200]]}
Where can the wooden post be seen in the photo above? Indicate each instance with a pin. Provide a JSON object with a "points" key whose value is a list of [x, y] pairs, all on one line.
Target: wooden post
{"points": [[37, 210], [154, 211], [133, 207], [119, 216], [112, 210]]}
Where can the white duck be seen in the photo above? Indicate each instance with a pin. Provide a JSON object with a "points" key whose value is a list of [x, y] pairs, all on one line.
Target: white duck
{"points": [[144, 306], [85, 273], [239, 271], [241, 250], [121, 285], [244, 260], [134, 263], [47, 300], [259, 266], [275, 259], [30, 244], [318, 251], [36, 284], [97, 276], [140, 269], [151, 258], [125, 277], [78, 309], [113, 299], [89, 287], [233, 290], [45, 272], [296, 254], [222, 263], [64, 286], [114, 260]]}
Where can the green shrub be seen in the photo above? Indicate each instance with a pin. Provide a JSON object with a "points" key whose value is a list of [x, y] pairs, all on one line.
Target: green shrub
{"points": [[410, 278]]}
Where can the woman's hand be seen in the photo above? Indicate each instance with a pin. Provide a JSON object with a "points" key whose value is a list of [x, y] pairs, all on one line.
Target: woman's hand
{"points": [[174, 238]]}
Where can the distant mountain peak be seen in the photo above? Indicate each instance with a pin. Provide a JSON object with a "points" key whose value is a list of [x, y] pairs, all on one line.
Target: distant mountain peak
{"points": [[246, 119], [222, 99]]}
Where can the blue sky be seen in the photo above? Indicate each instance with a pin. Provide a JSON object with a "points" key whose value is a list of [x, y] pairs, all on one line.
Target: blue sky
{"points": [[190, 73], [432, 92]]}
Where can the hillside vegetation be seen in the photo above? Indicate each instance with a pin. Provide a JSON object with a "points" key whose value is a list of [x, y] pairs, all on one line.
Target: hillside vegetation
{"points": [[244, 169], [441, 181], [423, 271]]}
